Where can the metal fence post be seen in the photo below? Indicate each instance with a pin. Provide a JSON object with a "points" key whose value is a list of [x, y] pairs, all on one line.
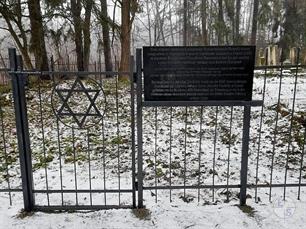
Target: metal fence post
{"points": [[245, 153], [133, 129], [22, 131], [139, 127]]}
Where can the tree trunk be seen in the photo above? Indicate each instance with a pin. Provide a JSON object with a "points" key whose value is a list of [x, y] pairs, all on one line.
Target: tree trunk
{"points": [[248, 21], [149, 22], [76, 8], [254, 23], [230, 11], [237, 22], [171, 23], [185, 23], [86, 32], [221, 27], [160, 23], [125, 37], [106, 39], [204, 22], [290, 36], [37, 36]]}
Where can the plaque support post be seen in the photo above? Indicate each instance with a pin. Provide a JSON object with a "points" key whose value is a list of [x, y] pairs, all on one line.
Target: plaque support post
{"points": [[245, 154], [139, 128]]}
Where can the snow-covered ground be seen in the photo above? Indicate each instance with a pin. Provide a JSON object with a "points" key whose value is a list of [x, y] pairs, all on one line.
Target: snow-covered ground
{"points": [[110, 163], [291, 215]]}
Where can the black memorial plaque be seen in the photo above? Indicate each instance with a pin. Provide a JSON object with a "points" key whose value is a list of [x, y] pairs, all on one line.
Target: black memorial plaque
{"points": [[198, 73]]}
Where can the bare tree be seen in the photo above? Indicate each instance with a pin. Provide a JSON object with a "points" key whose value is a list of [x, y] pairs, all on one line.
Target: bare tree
{"points": [[128, 11], [106, 39], [149, 22], [88, 5], [38, 36], [105, 21], [230, 10], [185, 18], [237, 37], [160, 20], [221, 23], [204, 22], [82, 38], [254, 22], [170, 21], [12, 13], [76, 8]]}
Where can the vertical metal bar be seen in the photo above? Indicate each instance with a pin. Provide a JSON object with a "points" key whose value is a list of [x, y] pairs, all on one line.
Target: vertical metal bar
{"points": [[104, 163], [260, 126], [185, 149], [291, 120], [74, 166], [103, 137], [22, 134], [214, 157], [58, 142], [275, 130], [133, 129], [89, 167], [139, 127], [229, 155], [60, 159], [118, 138], [245, 154], [155, 149], [200, 151], [43, 138], [170, 149]]}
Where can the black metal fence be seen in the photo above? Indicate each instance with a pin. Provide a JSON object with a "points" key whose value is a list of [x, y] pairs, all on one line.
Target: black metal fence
{"points": [[194, 149], [72, 155], [190, 153]]}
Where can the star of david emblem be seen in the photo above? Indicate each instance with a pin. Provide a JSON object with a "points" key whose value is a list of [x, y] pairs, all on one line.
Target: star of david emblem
{"points": [[70, 95]]}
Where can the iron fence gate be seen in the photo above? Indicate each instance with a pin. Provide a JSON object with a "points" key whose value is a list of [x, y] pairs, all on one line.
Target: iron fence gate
{"points": [[76, 147], [76, 141]]}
